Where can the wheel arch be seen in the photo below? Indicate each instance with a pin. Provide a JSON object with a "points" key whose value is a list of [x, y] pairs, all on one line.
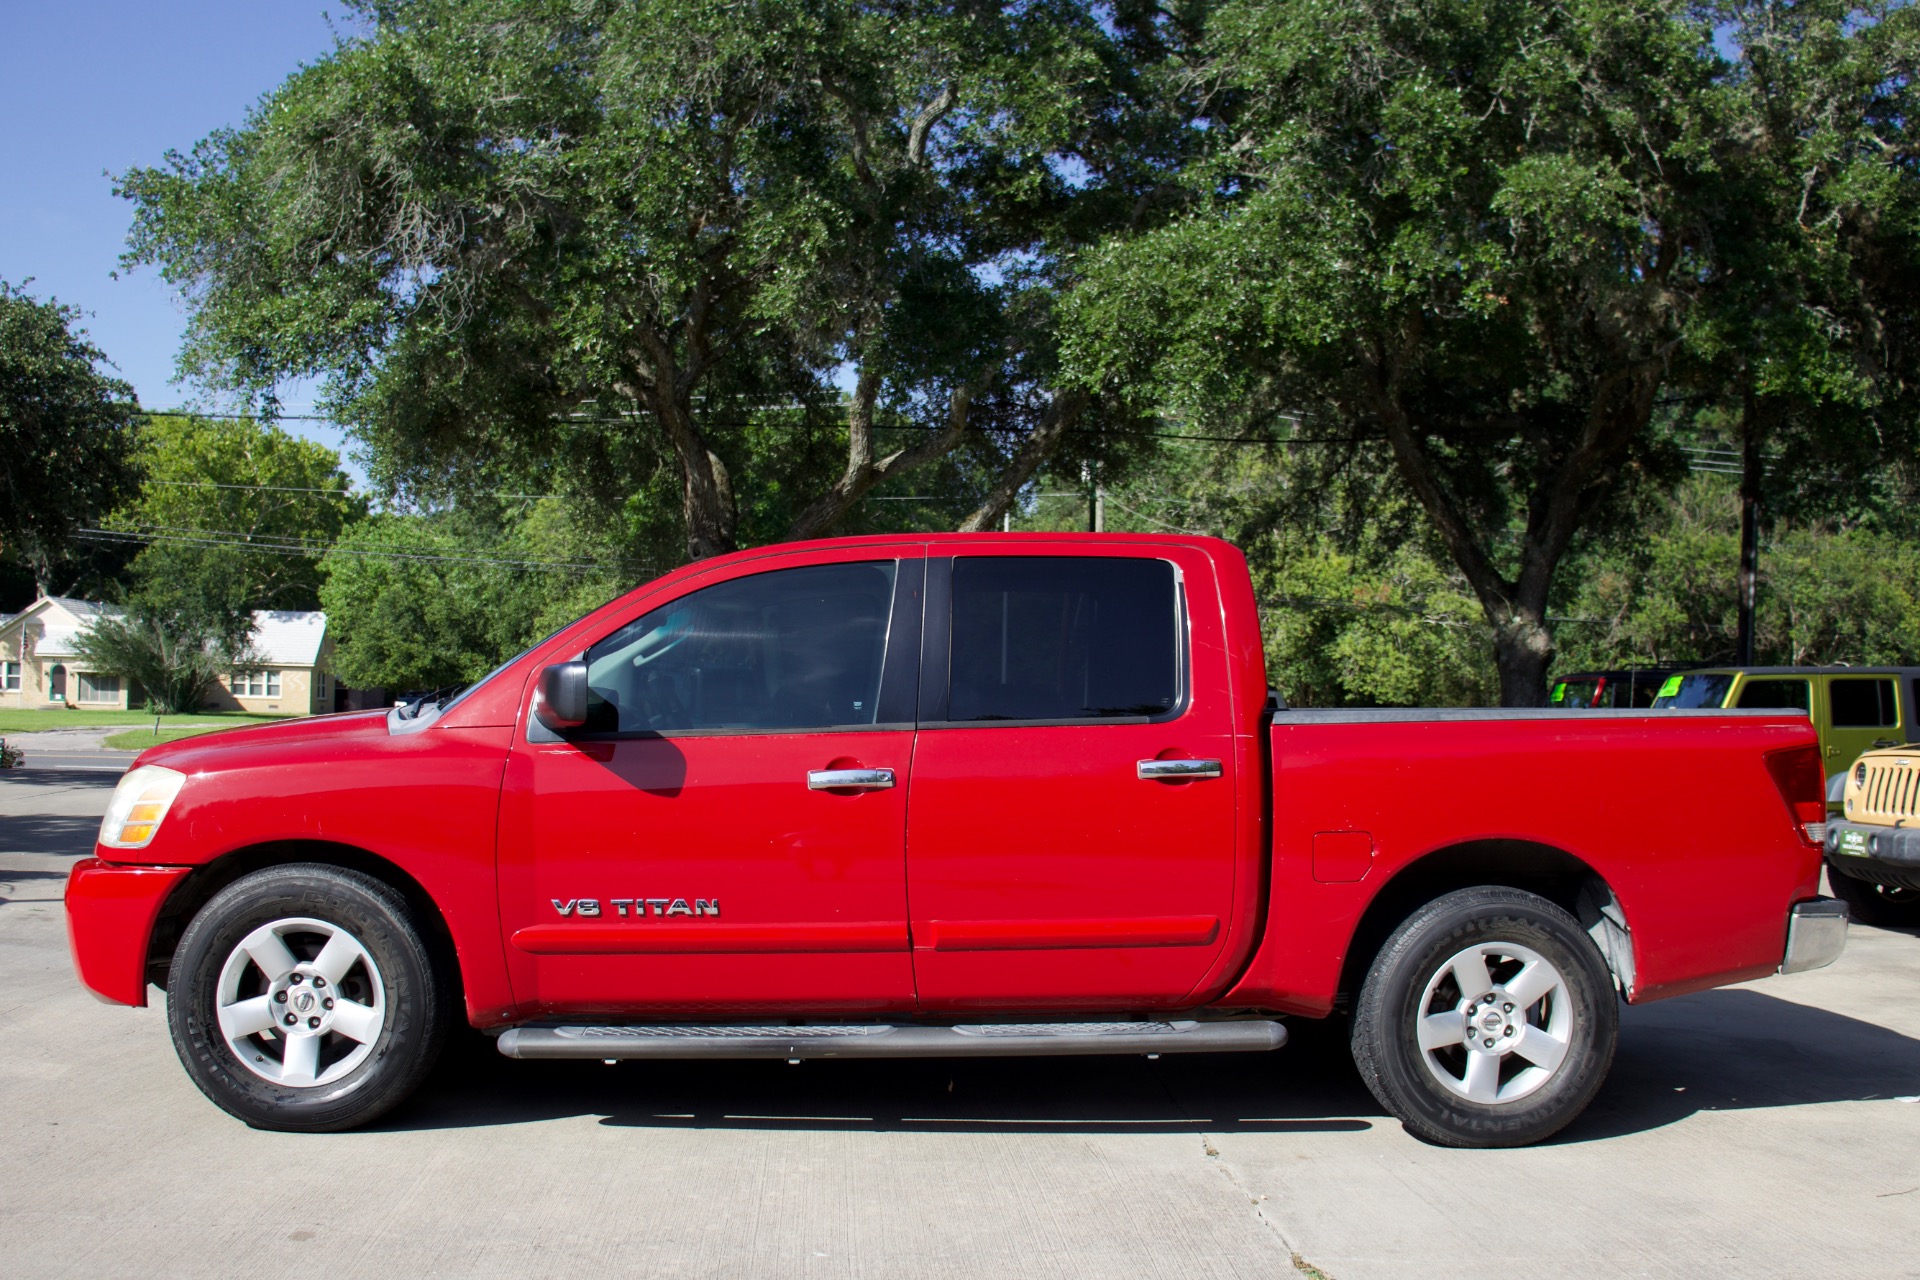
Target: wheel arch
{"points": [[198, 887], [1555, 874]]}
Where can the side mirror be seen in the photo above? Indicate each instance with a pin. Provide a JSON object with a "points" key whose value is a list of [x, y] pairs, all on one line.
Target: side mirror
{"points": [[561, 702]]}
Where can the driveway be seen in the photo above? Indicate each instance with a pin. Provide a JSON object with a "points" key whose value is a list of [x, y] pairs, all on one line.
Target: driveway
{"points": [[1766, 1130]]}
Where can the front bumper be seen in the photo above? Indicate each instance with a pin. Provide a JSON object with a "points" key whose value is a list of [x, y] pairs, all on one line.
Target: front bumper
{"points": [[110, 914], [1816, 935], [1886, 855]]}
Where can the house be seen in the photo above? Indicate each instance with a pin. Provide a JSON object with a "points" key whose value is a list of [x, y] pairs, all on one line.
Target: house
{"points": [[294, 672], [41, 666]]}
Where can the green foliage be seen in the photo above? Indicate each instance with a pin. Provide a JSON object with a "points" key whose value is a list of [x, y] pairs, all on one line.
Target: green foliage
{"points": [[65, 430], [235, 516], [427, 601], [1486, 233], [1359, 608], [492, 224], [1828, 594], [177, 659]]}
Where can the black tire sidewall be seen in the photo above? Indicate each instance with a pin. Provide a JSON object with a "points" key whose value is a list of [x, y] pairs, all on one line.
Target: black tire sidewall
{"points": [[370, 911], [1868, 905], [1386, 1047]]}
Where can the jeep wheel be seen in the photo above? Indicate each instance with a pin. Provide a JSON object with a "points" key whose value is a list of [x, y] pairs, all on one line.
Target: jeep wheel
{"points": [[1487, 1020], [1883, 905], [302, 998]]}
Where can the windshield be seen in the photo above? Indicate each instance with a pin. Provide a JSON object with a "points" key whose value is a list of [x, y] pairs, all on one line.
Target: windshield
{"points": [[1707, 691]]}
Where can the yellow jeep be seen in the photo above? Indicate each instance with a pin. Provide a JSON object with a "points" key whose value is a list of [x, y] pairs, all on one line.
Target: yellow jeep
{"points": [[1873, 850]]}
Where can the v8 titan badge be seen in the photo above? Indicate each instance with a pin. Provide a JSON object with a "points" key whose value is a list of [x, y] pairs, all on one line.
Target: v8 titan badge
{"points": [[588, 908]]}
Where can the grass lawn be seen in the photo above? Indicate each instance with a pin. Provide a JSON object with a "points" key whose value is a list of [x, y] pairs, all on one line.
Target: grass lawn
{"points": [[34, 721], [141, 739]]}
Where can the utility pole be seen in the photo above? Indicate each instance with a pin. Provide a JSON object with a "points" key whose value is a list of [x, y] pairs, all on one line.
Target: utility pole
{"points": [[1096, 500], [1751, 467]]}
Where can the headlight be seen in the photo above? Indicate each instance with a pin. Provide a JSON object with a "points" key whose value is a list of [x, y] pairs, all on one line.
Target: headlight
{"points": [[1860, 773], [139, 806]]}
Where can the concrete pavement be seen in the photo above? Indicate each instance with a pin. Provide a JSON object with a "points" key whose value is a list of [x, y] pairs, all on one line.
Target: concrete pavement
{"points": [[1751, 1132]]}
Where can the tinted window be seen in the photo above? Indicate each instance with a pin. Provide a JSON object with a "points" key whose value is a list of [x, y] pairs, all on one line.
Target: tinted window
{"points": [[1694, 692], [1862, 704], [1778, 695], [1577, 694], [791, 649], [1080, 638]]}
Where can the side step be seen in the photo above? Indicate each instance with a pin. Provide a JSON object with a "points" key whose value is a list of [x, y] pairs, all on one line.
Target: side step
{"points": [[1029, 1039]]}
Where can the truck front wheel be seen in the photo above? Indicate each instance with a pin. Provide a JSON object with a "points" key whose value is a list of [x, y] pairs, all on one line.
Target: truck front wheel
{"points": [[302, 998], [1487, 1020]]}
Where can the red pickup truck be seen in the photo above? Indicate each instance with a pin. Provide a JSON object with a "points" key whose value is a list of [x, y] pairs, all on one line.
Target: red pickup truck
{"points": [[941, 796]]}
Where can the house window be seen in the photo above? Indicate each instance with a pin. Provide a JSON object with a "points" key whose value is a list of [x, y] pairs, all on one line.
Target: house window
{"points": [[96, 688], [9, 677], [256, 684]]}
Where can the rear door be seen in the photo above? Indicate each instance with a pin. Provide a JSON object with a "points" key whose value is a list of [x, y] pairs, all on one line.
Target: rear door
{"points": [[1071, 837]]}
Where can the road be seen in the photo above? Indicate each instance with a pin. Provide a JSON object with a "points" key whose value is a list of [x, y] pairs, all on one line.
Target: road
{"points": [[71, 750], [1766, 1130]]}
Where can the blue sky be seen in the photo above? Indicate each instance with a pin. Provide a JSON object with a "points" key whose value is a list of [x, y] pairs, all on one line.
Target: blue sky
{"points": [[91, 88]]}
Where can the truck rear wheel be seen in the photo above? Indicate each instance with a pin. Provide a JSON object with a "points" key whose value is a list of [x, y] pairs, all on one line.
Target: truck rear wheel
{"points": [[1487, 1020], [1882, 905], [302, 998]]}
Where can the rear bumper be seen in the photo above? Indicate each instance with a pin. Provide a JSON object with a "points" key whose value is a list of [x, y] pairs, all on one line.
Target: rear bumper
{"points": [[1816, 935], [110, 915]]}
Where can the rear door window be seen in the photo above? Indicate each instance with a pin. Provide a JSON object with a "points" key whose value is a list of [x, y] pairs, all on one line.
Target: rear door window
{"points": [[1862, 702], [1064, 638], [1778, 695]]}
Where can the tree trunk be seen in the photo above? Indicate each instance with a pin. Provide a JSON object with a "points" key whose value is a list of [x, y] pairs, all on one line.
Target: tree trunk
{"points": [[706, 490], [1522, 651], [1562, 501]]}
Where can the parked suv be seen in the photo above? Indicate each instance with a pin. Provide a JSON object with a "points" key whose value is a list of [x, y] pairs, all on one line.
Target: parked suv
{"points": [[1853, 709], [1873, 852]]}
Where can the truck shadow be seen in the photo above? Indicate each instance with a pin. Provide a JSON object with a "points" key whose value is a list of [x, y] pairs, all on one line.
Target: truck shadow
{"points": [[49, 833], [476, 1086], [1717, 1051]]}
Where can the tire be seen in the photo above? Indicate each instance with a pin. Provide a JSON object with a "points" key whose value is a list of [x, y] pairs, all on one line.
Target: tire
{"points": [[1882, 905], [1549, 1048], [282, 944]]}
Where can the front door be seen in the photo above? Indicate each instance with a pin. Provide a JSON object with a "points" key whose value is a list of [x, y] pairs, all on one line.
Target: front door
{"points": [[1071, 842], [726, 834]]}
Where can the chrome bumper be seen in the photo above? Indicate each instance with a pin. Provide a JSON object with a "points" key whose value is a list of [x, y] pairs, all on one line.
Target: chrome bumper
{"points": [[1816, 935]]}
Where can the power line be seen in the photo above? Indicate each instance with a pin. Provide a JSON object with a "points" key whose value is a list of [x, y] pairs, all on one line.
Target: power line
{"points": [[262, 488], [310, 551]]}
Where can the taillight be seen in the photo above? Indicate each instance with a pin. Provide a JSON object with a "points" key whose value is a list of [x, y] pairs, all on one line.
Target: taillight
{"points": [[1796, 772]]}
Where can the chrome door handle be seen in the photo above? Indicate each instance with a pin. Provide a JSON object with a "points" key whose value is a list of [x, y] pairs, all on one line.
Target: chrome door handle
{"points": [[1150, 769], [849, 779]]}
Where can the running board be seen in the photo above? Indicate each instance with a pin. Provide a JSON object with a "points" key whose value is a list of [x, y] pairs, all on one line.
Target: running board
{"points": [[1029, 1039]]}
